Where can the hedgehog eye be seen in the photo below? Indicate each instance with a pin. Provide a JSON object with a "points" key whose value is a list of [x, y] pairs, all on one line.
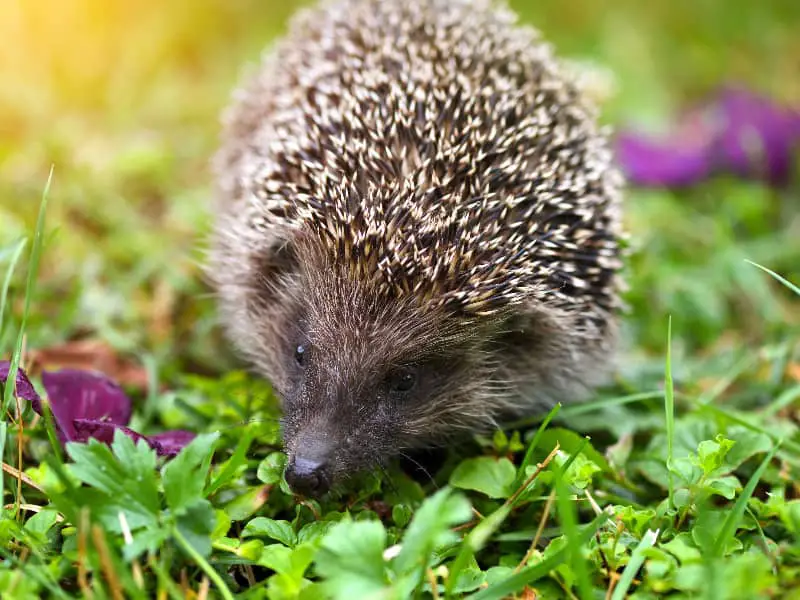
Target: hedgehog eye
{"points": [[300, 354], [402, 381]]}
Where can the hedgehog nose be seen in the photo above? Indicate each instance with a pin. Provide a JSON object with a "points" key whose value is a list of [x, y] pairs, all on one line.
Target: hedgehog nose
{"points": [[307, 477]]}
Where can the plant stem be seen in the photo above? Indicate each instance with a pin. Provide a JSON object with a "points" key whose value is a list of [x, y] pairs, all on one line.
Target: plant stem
{"points": [[203, 564]]}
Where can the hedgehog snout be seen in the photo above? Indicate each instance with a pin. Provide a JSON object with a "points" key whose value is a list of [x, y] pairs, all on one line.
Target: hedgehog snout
{"points": [[308, 470]]}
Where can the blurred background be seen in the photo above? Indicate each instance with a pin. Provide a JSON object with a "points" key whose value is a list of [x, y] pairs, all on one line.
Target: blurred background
{"points": [[123, 98]]}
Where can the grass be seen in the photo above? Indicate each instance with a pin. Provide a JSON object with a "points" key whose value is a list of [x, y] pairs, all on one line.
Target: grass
{"points": [[691, 457]]}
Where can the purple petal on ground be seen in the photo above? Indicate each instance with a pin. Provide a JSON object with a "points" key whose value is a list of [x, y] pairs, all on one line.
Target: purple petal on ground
{"points": [[672, 163], [758, 137], [734, 131], [102, 431], [25, 389], [169, 443], [83, 395]]}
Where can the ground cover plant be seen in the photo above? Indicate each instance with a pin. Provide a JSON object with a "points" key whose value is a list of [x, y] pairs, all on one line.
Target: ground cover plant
{"points": [[677, 481]]}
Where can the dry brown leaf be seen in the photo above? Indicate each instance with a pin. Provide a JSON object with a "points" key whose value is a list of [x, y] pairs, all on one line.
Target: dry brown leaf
{"points": [[793, 371], [529, 594], [89, 355]]}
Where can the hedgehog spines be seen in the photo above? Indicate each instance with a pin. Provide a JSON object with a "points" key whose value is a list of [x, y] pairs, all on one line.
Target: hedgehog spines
{"points": [[451, 163]]}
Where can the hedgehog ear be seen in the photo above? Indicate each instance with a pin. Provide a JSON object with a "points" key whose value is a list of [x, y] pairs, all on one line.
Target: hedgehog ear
{"points": [[282, 257], [529, 331], [275, 261]]}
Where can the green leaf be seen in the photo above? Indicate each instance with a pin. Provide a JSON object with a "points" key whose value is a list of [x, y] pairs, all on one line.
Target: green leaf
{"points": [[633, 566], [687, 469], [148, 539], [573, 444], [503, 583], [291, 562], [127, 486], [40, 523], [284, 587], [250, 550], [748, 444], [314, 532], [751, 575], [270, 471], [723, 486], [491, 476], [683, 547], [789, 513], [184, 476], [246, 504], [280, 531], [430, 530], [276, 557], [635, 521], [580, 471], [690, 432], [350, 560], [734, 516], [401, 515], [196, 523], [234, 464], [469, 579], [711, 454]]}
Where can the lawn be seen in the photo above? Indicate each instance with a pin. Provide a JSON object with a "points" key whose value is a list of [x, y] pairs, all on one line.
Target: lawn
{"points": [[678, 481]]}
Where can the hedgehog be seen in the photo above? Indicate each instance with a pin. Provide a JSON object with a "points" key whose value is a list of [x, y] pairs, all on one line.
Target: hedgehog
{"points": [[418, 230]]}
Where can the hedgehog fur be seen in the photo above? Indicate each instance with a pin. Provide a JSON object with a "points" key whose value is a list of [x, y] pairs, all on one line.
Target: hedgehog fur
{"points": [[418, 229]]}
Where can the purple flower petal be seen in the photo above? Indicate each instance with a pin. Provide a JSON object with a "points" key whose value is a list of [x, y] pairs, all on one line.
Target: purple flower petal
{"points": [[24, 389], [648, 163], [102, 431], [169, 443], [83, 395], [88, 405], [737, 132], [758, 136]]}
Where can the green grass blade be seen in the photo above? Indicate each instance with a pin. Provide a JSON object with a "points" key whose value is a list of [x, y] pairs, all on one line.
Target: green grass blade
{"points": [[784, 281], [568, 517], [568, 463], [3, 433], [633, 566], [16, 253], [669, 410], [52, 434], [210, 572], [238, 458], [473, 542], [516, 582], [785, 400], [40, 575], [33, 269], [728, 529], [587, 407], [521, 579], [534, 443]]}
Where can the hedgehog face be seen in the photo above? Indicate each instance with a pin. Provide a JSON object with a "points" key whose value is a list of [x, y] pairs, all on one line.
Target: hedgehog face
{"points": [[341, 418], [365, 380]]}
